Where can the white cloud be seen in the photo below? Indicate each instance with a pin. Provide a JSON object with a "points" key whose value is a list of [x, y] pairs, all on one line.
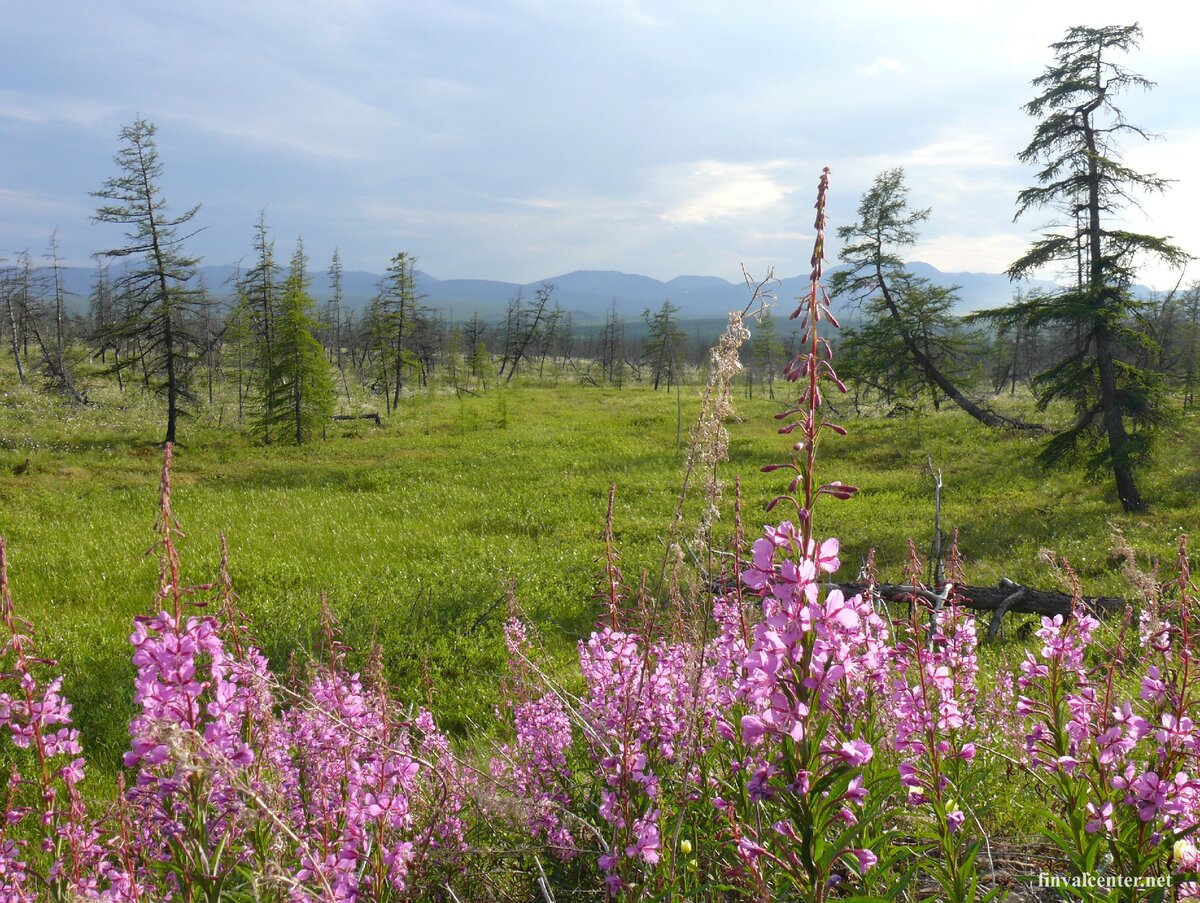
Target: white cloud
{"points": [[712, 189], [955, 150], [49, 108], [880, 66], [24, 202], [970, 253]]}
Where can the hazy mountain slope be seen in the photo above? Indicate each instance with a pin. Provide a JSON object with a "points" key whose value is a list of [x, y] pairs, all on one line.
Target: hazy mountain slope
{"points": [[588, 294]]}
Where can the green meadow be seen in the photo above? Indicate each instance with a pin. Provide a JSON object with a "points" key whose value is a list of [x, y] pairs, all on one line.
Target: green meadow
{"points": [[416, 531]]}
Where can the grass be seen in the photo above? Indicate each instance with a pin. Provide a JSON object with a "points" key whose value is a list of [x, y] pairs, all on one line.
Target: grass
{"points": [[415, 530]]}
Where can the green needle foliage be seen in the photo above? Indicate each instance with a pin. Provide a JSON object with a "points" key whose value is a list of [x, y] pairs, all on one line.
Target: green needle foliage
{"points": [[155, 285], [300, 371], [910, 337], [1118, 404], [258, 313]]}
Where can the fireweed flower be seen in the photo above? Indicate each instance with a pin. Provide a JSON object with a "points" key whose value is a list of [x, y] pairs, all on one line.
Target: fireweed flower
{"points": [[187, 685], [533, 767], [48, 843], [1154, 689], [1128, 763], [934, 689], [647, 709], [366, 811], [805, 651], [865, 859], [646, 843]]}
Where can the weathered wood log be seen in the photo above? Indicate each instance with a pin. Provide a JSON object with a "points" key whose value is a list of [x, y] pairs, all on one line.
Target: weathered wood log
{"points": [[375, 417], [998, 614], [1006, 597]]}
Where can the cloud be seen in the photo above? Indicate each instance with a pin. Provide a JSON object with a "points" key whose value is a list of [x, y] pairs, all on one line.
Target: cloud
{"points": [[991, 253], [711, 190], [323, 124], [13, 201], [880, 66], [519, 138], [45, 109], [958, 148]]}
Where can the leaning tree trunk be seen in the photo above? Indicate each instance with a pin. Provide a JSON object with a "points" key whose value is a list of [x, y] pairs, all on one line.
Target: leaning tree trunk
{"points": [[984, 415]]}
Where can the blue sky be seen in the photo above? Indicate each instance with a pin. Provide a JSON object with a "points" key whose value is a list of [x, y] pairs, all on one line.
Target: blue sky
{"points": [[520, 139]]}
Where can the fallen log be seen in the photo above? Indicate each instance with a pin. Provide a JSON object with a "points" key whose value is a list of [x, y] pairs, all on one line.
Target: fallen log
{"points": [[375, 417], [1006, 597]]}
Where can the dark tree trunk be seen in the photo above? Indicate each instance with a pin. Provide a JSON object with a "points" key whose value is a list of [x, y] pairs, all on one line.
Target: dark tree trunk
{"points": [[990, 598], [983, 415]]}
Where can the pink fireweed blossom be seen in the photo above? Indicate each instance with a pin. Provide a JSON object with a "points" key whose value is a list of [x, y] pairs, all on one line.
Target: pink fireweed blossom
{"points": [[804, 650], [1061, 748], [645, 710], [357, 792], [865, 860], [646, 842], [44, 815], [1176, 734], [1100, 819], [534, 766], [815, 660], [1154, 689], [782, 542], [934, 691], [36, 711], [825, 555], [1067, 646], [1150, 794], [189, 686], [855, 753], [1136, 727]]}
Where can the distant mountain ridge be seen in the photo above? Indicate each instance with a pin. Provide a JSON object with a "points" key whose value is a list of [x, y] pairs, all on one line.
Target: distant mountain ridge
{"points": [[588, 294]]}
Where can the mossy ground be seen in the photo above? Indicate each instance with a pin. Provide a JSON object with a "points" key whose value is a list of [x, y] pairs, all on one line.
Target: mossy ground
{"points": [[414, 531]]}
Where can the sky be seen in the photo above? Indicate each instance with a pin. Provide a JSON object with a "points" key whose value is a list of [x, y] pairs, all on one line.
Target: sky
{"points": [[522, 139]]}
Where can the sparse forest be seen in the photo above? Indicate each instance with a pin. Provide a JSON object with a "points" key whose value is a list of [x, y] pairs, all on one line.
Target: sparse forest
{"points": [[244, 352], [857, 596]]}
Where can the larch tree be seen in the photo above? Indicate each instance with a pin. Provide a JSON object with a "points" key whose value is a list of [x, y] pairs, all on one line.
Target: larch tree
{"points": [[157, 273], [912, 309], [258, 298], [100, 312], [336, 298], [394, 314], [612, 347], [767, 354], [522, 332], [48, 323], [304, 387], [1082, 178], [239, 351], [664, 344], [12, 290]]}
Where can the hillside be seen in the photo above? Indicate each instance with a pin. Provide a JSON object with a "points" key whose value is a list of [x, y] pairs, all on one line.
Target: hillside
{"points": [[588, 294]]}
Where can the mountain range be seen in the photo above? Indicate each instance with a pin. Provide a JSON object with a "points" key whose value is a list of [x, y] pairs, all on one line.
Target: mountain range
{"points": [[588, 294]]}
